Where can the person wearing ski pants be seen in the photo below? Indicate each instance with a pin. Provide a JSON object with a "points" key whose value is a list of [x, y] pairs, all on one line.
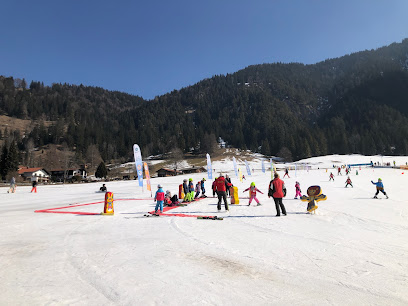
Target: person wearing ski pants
{"points": [[221, 189], [252, 193], [159, 198], [298, 191], [380, 187], [277, 190]]}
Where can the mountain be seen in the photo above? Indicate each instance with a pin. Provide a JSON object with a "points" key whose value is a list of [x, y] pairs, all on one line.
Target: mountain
{"points": [[353, 104]]}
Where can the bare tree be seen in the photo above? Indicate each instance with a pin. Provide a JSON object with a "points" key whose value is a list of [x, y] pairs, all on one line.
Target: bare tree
{"points": [[176, 157], [93, 156]]}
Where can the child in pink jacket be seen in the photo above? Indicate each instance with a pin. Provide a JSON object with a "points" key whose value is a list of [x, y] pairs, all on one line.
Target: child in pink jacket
{"points": [[252, 193], [298, 191]]}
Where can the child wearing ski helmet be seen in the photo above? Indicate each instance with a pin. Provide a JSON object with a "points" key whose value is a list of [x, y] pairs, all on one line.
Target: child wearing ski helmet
{"points": [[380, 187], [348, 182], [252, 193], [191, 189], [185, 191], [298, 191], [331, 177], [197, 189], [202, 186], [159, 198], [167, 198]]}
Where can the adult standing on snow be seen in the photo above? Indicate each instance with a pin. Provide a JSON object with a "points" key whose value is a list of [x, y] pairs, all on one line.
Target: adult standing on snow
{"points": [[214, 186], [220, 186], [228, 181], [277, 190], [380, 187]]}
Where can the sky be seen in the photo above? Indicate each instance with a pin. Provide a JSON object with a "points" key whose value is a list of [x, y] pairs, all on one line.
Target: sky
{"points": [[149, 48]]}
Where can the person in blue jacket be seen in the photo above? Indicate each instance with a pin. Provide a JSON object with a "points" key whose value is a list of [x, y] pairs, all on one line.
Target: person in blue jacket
{"points": [[380, 187]]}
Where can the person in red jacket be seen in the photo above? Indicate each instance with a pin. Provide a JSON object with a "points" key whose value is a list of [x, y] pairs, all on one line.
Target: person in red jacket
{"points": [[214, 188], [221, 188], [277, 190]]}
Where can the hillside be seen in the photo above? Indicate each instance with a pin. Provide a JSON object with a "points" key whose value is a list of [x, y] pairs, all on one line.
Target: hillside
{"points": [[352, 104]]}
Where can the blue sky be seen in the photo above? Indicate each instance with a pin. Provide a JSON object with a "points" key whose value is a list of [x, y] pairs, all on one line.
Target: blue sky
{"points": [[149, 48]]}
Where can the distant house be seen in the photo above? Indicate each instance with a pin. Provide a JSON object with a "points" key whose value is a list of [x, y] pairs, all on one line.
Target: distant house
{"points": [[27, 173], [58, 175], [168, 172], [193, 170]]}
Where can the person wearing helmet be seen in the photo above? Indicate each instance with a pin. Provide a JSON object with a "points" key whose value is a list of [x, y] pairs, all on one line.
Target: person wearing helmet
{"points": [[277, 190], [103, 188], [159, 198], [185, 190], [348, 182], [380, 187], [298, 191], [202, 187], [191, 189], [252, 193], [197, 189]]}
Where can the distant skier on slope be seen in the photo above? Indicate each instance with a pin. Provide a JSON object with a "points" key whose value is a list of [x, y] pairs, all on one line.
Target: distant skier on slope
{"points": [[331, 177], [380, 187], [348, 182]]}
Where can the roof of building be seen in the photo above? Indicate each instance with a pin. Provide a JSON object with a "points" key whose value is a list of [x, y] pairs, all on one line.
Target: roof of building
{"points": [[29, 170]]}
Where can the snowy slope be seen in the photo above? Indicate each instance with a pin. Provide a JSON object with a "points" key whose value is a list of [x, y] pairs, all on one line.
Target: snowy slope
{"points": [[353, 251]]}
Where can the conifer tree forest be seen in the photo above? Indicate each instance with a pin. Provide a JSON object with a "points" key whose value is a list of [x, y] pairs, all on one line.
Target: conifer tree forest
{"points": [[357, 103]]}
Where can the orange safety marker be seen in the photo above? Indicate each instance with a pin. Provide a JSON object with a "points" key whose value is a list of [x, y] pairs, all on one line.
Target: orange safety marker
{"points": [[108, 207]]}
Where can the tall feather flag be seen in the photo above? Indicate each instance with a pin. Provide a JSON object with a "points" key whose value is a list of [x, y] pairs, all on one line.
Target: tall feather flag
{"points": [[235, 166], [209, 167], [240, 174], [147, 174], [247, 168], [263, 166], [273, 169], [138, 163]]}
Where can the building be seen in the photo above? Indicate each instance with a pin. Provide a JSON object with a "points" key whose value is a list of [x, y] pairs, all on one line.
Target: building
{"points": [[168, 172], [58, 175], [193, 170], [42, 174]]}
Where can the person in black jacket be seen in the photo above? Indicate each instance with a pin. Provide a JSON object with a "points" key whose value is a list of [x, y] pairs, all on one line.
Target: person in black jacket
{"points": [[228, 184]]}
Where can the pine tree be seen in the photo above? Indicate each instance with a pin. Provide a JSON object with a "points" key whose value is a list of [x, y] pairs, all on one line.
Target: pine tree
{"points": [[101, 172]]}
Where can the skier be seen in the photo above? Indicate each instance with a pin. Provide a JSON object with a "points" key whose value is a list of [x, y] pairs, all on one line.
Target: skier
{"points": [[221, 188], [197, 189], [277, 190], [103, 188], [167, 198], [380, 187], [286, 173], [298, 191], [34, 182], [331, 177], [339, 171], [348, 182], [252, 193], [202, 187], [159, 198], [185, 190], [12, 185]]}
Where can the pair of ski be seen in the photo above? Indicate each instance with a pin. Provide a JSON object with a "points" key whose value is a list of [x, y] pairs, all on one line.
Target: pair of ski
{"points": [[210, 217], [151, 215]]}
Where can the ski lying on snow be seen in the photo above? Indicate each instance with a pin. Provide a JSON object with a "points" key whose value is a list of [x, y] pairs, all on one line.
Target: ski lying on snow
{"points": [[210, 217]]}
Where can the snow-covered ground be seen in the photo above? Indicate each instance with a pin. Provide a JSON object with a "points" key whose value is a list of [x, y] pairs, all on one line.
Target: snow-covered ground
{"points": [[353, 251]]}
